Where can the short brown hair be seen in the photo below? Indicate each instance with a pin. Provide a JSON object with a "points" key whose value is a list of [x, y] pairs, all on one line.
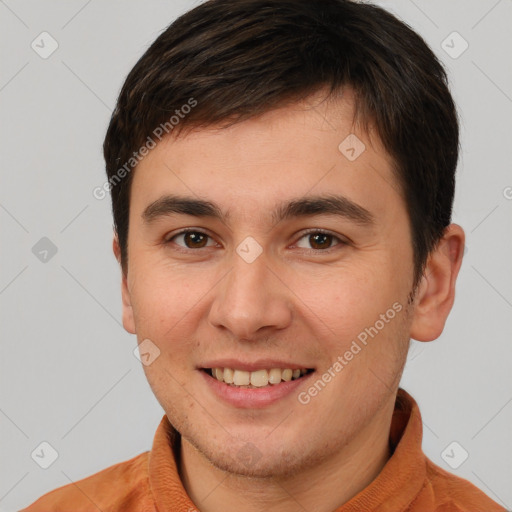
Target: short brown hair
{"points": [[240, 58]]}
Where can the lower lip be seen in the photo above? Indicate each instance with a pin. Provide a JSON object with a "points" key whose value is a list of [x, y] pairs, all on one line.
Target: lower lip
{"points": [[253, 398]]}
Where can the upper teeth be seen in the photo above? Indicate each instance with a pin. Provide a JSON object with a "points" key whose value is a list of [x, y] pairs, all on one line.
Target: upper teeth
{"points": [[258, 378]]}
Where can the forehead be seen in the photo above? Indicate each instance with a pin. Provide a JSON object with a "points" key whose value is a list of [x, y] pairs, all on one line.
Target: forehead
{"points": [[311, 147]]}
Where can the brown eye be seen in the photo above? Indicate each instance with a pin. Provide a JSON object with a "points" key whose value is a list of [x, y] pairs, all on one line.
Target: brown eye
{"points": [[194, 240], [191, 239], [319, 241]]}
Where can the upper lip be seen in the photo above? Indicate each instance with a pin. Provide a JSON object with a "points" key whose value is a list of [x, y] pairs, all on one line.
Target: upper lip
{"points": [[260, 364]]}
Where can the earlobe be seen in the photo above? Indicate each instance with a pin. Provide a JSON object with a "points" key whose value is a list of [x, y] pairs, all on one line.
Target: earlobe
{"points": [[128, 319], [436, 291]]}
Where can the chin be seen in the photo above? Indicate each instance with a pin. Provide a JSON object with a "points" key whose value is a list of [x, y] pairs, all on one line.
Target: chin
{"points": [[250, 461], [261, 457]]}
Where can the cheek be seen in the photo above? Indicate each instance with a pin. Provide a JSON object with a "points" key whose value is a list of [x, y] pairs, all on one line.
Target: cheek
{"points": [[169, 305], [164, 294], [360, 317], [345, 301]]}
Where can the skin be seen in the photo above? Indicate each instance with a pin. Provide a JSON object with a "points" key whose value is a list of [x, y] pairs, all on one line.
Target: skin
{"points": [[295, 302]]}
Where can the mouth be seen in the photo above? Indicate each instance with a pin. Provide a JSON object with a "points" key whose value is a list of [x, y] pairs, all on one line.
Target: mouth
{"points": [[261, 378]]}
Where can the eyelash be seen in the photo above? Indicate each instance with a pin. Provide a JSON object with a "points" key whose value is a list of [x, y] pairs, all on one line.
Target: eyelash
{"points": [[306, 233]]}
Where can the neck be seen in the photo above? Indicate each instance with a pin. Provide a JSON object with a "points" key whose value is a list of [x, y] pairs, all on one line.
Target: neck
{"points": [[322, 488]]}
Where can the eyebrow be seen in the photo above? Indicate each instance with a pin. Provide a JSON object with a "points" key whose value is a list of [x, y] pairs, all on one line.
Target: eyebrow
{"points": [[301, 207]]}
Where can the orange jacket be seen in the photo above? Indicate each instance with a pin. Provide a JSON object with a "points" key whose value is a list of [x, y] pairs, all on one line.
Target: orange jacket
{"points": [[409, 482]]}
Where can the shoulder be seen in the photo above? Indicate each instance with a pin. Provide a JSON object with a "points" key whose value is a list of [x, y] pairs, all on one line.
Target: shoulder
{"points": [[456, 494], [121, 487]]}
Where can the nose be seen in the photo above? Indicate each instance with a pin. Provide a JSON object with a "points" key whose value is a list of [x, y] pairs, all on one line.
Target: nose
{"points": [[251, 300]]}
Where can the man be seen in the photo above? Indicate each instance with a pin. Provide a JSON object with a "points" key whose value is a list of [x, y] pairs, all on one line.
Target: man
{"points": [[282, 178]]}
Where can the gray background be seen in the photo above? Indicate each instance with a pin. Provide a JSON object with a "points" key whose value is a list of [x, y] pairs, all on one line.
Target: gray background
{"points": [[68, 373]]}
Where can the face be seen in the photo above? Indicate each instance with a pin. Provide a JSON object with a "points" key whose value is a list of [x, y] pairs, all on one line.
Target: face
{"points": [[280, 279]]}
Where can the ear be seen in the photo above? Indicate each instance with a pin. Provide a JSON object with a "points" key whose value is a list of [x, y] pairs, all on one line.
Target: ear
{"points": [[128, 320], [436, 291]]}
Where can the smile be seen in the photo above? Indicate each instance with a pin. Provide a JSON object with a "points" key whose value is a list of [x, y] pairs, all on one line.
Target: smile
{"points": [[258, 378]]}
